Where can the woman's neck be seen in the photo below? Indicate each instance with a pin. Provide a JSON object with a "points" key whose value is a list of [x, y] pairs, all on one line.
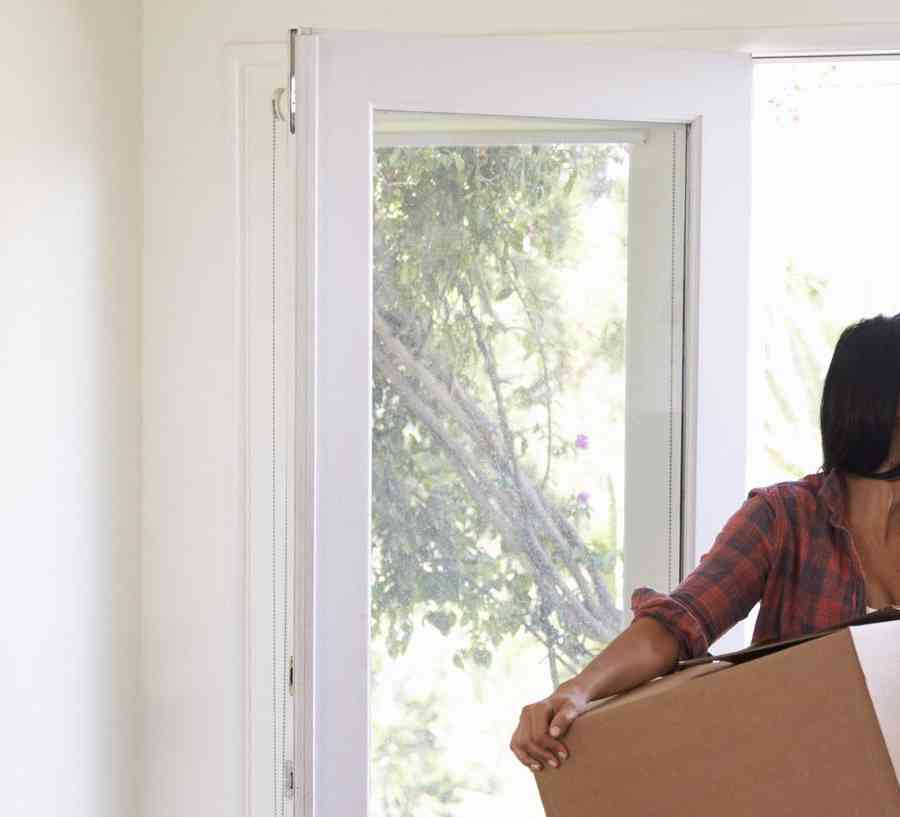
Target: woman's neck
{"points": [[873, 506], [873, 509]]}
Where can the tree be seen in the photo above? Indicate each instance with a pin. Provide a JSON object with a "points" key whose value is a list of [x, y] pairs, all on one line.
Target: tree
{"points": [[470, 355], [412, 780], [800, 334]]}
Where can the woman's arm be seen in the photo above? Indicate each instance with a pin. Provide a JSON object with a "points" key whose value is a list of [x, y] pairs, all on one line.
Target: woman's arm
{"points": [[643, 651], [720, 592]]}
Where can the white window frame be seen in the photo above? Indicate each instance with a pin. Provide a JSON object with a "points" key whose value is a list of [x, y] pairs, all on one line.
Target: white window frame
{"points": [[653, 416], [710, 92]]}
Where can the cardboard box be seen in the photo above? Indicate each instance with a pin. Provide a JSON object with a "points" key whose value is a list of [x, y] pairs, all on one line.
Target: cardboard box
{"points": [[805, 727]]}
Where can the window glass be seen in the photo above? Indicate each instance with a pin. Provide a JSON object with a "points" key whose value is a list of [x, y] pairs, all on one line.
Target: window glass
{"points": [[825, 252], [501, 285]]}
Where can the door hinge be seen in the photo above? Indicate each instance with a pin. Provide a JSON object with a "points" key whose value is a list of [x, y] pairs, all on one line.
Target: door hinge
{"points": [[289, 779], [292, 82], [291, 676]]}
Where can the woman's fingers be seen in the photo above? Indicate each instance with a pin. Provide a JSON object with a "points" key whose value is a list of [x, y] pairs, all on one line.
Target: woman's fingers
{"points": [[537, 753], [540, 754], [527, 751], [555, 747], [552, 749], [533, 743], [526, 760], [562, 719]]}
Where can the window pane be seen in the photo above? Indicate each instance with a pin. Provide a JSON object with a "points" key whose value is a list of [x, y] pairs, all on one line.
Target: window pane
{"points": [[825, 240], [501, 283], [825, 137]]}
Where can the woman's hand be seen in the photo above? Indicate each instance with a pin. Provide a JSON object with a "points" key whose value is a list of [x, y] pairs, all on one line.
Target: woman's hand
{"points": [[535, 742], [643, 651]]}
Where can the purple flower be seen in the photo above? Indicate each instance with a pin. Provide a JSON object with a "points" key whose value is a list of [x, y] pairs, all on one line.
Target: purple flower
{"points": [[583, 498], [581, 441]]}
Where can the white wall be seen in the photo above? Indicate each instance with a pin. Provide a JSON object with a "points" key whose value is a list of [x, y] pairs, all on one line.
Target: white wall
{"points": [[70, 224], [192, 565]]}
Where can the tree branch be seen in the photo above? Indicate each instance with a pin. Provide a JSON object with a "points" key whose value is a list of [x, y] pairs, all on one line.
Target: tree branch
{"points": [[482, 489], [466, 412]]}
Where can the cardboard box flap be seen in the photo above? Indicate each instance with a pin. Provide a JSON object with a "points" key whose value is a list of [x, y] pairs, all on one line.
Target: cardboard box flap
{"points": [[878, 653], [769, 647]]}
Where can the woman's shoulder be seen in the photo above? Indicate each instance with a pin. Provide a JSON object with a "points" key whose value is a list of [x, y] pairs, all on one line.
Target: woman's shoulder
{"points": [[811, 483], [813, 491]]}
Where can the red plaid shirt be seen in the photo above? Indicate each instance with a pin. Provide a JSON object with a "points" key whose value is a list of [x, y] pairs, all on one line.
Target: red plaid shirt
{"points": [[787, 547]]}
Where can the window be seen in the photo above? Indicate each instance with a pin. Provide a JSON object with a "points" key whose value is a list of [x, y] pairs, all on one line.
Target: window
{"points": [[825, 250], [511, 258], [824, 253]]}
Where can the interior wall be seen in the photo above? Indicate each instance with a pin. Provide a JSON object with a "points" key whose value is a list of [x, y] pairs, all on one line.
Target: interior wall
{"points": [[193, 560], [70, 254]]}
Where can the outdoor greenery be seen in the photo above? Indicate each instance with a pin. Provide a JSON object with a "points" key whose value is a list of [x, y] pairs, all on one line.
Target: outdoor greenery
{"points": [[471, 354], [475, 537], [798, 336]]}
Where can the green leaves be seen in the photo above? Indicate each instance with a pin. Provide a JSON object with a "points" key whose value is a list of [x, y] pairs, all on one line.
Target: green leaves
{"points": [[467, 249], [408, 763], [441, 620]]}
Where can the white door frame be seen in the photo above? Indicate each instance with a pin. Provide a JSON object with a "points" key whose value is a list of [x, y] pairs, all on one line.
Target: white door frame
{"points": [[709, 91]]}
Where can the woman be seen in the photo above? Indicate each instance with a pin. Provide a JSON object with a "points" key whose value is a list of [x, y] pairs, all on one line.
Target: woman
{"points": [[814, 553]]}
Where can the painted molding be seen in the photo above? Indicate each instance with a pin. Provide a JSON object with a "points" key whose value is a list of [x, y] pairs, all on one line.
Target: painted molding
{"points": [[305, 153], [254, 72]]}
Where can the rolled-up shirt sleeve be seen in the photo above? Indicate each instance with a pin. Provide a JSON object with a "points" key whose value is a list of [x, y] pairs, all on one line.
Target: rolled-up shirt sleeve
{"points": [[725, 585]]}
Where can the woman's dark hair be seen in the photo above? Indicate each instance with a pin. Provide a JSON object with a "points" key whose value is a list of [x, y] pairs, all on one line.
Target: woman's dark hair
{"points": [[859, 401]]}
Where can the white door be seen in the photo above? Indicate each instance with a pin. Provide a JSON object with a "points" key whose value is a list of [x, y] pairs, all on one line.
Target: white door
{"points": [[517, 256]]}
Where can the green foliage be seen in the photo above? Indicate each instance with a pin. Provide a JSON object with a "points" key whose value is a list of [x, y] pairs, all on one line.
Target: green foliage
{"points": [[801, 330], [406, 760], [468, 533]]}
